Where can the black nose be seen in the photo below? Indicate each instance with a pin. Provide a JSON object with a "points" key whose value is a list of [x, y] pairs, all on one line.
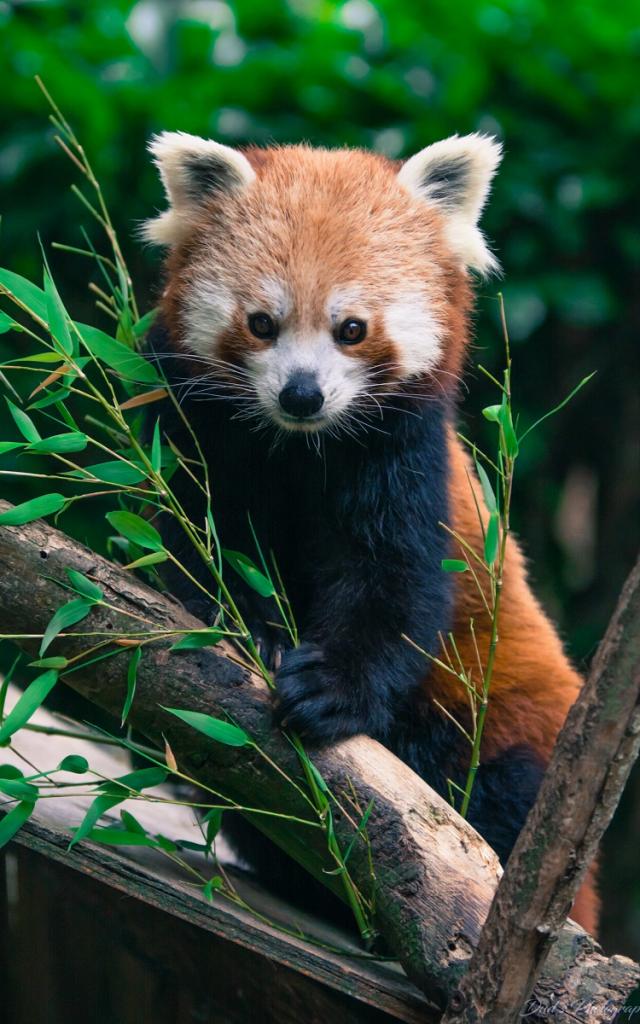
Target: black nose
{"points": [[301, 397]]}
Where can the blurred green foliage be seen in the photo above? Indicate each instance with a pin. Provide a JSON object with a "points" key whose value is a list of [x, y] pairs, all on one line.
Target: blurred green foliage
{"points": [[557, 82]]}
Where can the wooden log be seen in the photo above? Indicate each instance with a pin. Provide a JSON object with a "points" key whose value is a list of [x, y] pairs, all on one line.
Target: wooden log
{"points": [[434, 875], [590, 765]]}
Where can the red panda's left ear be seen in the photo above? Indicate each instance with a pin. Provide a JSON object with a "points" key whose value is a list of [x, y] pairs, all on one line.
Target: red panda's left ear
{"points": [[455, 175], [192, 171]]}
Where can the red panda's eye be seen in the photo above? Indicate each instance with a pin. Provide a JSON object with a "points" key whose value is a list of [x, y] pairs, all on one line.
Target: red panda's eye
{"points": [[262, 326], [352, 331]]}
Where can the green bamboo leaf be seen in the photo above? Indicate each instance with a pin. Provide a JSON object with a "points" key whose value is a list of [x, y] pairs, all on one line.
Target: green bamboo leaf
{"points": [[14, 820], [119, 837], [487, 489], [156, 448], [74, 763], [24, 423], [9, 771], [132, 675], [454, 565], [154, 558], [119, 357], [492, 413], [60, 443], [17, 789], [28, 703], [36, 508], [84, 586], [9, 446], [8, 324], [131, 823], [198, 638], [136, 529], [509, 434], [491, 539], [142, 325], [59, 395], [57, 316], [213, 821], [58, 663], [25, 294], [113, 472], [211, 887], [214, 728], [143, 778], [249, 572], [100, 806], [70, 613]]}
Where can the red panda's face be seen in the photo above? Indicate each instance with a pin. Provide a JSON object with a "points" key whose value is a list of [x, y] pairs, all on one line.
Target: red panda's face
{"points": [[318, 285]]}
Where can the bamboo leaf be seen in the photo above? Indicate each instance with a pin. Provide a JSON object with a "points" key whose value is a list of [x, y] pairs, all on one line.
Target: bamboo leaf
{"points": [[57, 316], [487, 489], [24, 423], [70, 613], [454, 565], [60, 443], [117, 356], [156, 448], [24, 293], [136, 529], [113, 472], [100, 806], [199, 638], [249, 572], [28, 703], [214, 728], [14, 820], [84, 586], [74, 763], [132, 675], [154, 558], [491, 539], [27, 511]]}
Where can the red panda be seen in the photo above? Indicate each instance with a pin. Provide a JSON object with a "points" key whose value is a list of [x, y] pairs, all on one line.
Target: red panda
{"points": [[315, 321]]}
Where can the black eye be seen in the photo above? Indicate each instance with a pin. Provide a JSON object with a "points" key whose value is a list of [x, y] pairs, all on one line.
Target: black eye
{"points": [[352, 331], [262, 326]]}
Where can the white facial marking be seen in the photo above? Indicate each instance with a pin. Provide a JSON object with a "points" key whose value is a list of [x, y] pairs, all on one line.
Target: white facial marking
{"points": [[208, 310], [277, 298], [339, 378], [415, 332], [346, 300]]}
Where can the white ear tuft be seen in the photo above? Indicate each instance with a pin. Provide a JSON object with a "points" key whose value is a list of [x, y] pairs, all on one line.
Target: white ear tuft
{"points": [[455, 175], [192, 170]]}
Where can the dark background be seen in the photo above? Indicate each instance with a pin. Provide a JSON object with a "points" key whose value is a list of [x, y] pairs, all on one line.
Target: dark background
{"points": [[558, 82]]}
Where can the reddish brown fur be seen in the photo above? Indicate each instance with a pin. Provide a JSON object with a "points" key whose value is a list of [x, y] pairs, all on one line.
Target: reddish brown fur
{"points": [[318, 218]]}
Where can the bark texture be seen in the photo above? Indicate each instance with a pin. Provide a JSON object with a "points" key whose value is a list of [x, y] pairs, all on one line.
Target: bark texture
{"points": [[591, 762], [434, 875]]}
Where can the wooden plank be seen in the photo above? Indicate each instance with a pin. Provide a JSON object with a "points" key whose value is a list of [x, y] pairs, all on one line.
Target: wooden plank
{"points": [[91, 957], [147, 877]]}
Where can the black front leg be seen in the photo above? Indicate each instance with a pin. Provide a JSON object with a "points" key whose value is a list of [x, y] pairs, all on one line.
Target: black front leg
{"points": [[354, 671]]}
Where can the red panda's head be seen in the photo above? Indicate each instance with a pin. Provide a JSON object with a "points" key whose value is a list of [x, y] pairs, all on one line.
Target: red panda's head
{"points": [[316, 284]]}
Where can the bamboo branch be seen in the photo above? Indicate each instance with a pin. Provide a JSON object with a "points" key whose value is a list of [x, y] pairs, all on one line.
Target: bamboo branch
{"points": [[435, 877], [591, 762]]}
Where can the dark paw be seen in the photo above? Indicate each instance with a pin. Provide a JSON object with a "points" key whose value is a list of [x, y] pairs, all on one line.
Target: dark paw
{"points": [[310, 700]]}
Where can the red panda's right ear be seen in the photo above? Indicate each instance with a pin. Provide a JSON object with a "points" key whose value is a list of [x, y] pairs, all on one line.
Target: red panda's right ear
{"points": [[192, 171]]}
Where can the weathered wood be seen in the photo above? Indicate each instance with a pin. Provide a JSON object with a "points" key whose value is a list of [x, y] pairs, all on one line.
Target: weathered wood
{"points": [[435, 876], [83, 952], [591, 762], [309, 947]]}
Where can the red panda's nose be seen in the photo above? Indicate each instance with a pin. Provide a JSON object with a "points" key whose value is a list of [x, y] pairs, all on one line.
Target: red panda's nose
{"points": [[301, 397]]}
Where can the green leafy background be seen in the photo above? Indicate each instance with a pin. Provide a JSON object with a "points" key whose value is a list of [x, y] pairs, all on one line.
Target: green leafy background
{"points": [[559, 84]]}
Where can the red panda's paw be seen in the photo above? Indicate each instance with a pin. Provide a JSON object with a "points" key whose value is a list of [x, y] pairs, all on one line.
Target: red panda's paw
{"points": [[309, 699]]}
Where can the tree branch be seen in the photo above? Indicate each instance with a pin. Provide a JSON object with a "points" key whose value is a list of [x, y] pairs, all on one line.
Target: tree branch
{"points": [[589, 767], [434, 876]]}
